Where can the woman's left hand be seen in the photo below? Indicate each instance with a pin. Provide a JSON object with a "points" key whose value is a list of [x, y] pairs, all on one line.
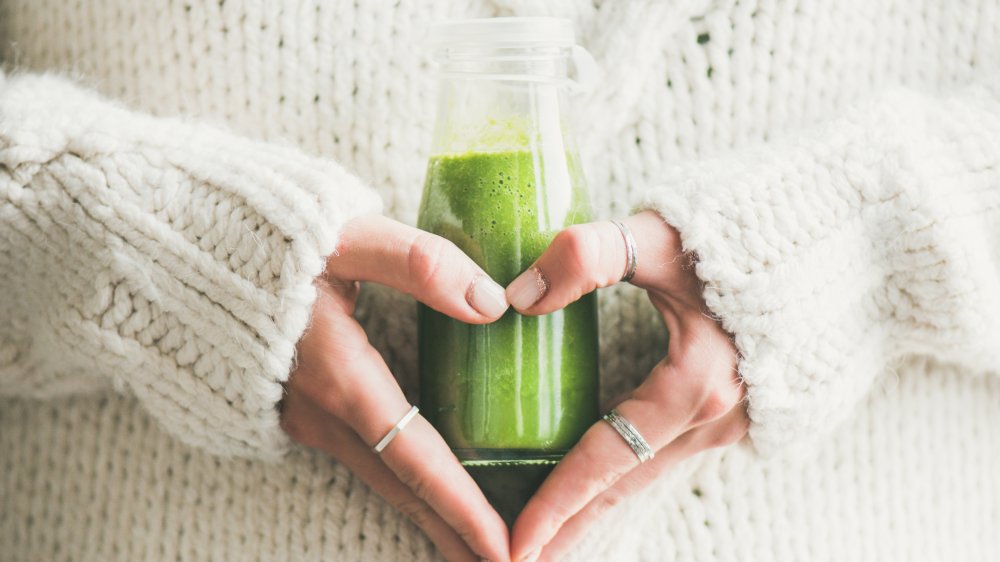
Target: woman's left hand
{"points": [[691, 401]]}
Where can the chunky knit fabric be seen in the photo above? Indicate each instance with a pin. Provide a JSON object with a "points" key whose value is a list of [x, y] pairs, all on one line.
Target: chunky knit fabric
{"points": [[173, 259], [832, 167], [891, 250]]}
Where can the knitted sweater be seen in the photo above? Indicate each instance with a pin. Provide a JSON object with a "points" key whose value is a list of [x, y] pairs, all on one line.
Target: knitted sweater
{"points": [[834, 167]]}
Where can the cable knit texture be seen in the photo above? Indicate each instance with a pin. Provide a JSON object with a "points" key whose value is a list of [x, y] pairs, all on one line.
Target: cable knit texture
{"points": [[892, 250], [834, 167], [176, 259]]}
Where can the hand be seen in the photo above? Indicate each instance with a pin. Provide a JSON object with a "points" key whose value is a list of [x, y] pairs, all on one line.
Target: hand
{"points": [[342, 399], [691, 401]]}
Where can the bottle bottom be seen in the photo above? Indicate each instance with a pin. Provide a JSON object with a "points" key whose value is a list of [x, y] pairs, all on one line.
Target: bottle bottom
{"points": [[508, 487], [508, 457]]}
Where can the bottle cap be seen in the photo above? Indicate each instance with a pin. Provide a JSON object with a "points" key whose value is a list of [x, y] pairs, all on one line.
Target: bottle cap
{"points": [[556, 32]]}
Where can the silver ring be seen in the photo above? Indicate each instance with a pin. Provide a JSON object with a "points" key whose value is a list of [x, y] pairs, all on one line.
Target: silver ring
{"points": [[631, 435], [630, 253], [395, 430]]}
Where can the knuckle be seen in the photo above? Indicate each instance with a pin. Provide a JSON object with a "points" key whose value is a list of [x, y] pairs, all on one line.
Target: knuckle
{"points": [[579, 247], [340, 394], [321, 387], [426, 260], [716, 403], [416, 510], [336, 383], [417, 480], [602, 480], [334, 400], [349, 346], [608, 501], [606, 479], [333, 338], [421, 487]]}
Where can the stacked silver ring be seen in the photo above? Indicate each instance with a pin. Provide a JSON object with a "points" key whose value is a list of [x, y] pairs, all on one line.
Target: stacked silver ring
{"points": [[631, 435], [630, 252]]}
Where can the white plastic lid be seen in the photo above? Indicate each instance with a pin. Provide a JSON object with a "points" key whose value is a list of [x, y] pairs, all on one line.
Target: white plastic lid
{"points": [[503, 31]]}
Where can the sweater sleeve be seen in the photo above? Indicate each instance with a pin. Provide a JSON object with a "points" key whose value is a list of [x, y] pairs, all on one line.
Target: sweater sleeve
{"points": [[170, 259], [832, 254]]}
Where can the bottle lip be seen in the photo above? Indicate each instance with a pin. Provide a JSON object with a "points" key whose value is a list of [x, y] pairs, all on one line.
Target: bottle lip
{"points": [[503, 32]]}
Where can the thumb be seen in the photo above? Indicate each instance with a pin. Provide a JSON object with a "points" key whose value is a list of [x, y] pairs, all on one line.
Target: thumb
{"points": [[589, 256], [427, 266]]}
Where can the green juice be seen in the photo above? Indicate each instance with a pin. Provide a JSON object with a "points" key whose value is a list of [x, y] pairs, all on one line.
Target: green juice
{"points": [[522, 390]]}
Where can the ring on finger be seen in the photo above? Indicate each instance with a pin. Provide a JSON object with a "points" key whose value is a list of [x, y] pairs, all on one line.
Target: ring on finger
{"points": [[630, 252], [631, 435], [384, 442]]}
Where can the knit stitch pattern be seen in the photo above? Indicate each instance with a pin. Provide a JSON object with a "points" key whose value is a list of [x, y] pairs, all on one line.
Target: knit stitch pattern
{"points": [[175, 259], [831, 165], [892, 251]]}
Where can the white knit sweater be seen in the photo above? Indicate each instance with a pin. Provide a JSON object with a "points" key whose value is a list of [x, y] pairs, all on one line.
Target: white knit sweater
{"points": [[834, 166]]}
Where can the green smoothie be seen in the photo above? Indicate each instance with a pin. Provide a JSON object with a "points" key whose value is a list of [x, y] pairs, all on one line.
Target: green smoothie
{"points": [[521, 390]]}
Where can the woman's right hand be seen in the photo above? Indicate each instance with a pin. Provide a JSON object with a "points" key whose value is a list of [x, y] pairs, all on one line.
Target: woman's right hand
{"points": [[342, 399]]}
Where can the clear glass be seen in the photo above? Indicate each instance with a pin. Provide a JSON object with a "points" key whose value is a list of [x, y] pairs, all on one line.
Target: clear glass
{"points": [[503, 179]]}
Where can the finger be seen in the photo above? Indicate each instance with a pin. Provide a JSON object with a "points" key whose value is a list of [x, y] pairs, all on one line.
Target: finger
{"points": [[432, 269], [725, 431], [349, 379], [313, 426], [665, 406], [589, 256]]}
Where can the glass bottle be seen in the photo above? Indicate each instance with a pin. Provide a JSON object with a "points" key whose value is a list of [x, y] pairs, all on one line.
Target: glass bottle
{"points": [[503, 178]]}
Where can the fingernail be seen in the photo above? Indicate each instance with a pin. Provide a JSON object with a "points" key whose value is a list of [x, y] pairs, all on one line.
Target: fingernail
{"points": [[531, 556], [527, 288], [486, 296]]}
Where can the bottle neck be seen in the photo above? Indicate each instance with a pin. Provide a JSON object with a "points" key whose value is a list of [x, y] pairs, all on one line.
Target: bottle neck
{"points": [[544, 64], [484, 113]]}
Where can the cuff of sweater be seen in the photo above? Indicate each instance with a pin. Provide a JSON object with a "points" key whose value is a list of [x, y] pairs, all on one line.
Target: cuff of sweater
{"points": [[271, 217], [274, 243], [789, 271], [707, 233], [317, 199], [208, 242]]}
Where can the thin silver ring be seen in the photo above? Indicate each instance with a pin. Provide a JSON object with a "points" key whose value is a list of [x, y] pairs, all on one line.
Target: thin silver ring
{"points": [[630, 253], [631, 435], [395, 430]]}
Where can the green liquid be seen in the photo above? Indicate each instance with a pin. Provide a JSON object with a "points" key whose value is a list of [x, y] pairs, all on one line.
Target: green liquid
{"points": [[523, 390]]}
